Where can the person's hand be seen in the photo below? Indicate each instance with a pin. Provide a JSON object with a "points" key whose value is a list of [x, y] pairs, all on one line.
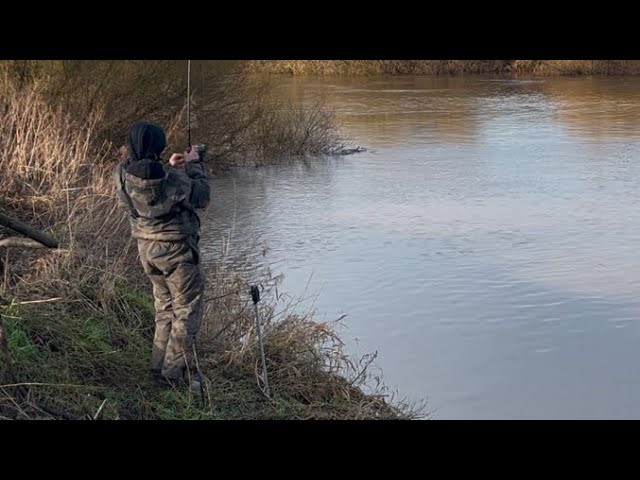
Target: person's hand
{"points": [[191, 156], [177, 160]]}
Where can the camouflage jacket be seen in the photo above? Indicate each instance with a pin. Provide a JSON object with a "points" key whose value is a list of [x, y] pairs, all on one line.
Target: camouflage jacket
{"points": [[164, 209]]}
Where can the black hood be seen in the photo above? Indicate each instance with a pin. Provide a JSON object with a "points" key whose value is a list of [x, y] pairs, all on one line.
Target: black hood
{"points": [[146, 141]]}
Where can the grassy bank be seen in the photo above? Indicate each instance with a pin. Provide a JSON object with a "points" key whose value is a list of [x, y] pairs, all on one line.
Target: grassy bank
{"points": [[79, 319], [444, 67]]}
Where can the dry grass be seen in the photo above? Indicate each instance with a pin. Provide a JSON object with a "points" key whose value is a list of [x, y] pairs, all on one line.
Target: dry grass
{"points": [[443, 67], [373, 67], [85, 350]]}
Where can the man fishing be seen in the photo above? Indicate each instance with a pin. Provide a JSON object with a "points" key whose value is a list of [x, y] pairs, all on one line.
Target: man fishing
{"points": [[161, 200]]}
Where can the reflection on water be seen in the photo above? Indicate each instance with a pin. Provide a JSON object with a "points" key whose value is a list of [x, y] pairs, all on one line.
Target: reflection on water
{"points": [[485, 245]]}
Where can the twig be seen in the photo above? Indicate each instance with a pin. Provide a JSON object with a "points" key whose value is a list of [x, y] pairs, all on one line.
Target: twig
{"points": [[5, 283], [37, 384], [367, 362], [221, 296], [26, 302], [18, 408], [95, 417], [259, 378]]}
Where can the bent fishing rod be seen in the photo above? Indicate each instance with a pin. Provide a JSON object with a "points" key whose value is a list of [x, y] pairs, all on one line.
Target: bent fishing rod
{"points": [[201, 149]]}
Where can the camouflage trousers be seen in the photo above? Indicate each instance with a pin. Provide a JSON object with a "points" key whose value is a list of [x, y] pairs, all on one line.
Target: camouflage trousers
{"points": [[178, 286]]}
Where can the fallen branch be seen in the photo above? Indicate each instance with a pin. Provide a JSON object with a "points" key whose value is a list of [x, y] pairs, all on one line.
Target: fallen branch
{"points": [[20, 242], [28, 231]]}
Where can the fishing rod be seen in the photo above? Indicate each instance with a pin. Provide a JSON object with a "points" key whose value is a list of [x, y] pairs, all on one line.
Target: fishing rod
{"points": [[189, 102], [201, 149]]}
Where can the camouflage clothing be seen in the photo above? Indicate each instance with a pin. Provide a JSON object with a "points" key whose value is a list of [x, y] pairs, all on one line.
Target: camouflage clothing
{"points": [[178, 283], [164, 208], [164, 221]]}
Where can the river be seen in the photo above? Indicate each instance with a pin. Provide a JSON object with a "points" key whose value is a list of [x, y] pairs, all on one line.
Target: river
{"points": [[485, 245]]}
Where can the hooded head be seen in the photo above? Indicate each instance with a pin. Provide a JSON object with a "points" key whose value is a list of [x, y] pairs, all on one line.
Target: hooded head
{"points": [[146, 141]]}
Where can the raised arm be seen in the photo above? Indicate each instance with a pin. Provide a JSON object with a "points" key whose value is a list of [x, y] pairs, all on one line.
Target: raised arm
{"points": [[200, 190]]}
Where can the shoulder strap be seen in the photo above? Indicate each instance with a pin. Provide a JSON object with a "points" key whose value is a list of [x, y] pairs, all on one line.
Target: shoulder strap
{"points": [[134, 212]]}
